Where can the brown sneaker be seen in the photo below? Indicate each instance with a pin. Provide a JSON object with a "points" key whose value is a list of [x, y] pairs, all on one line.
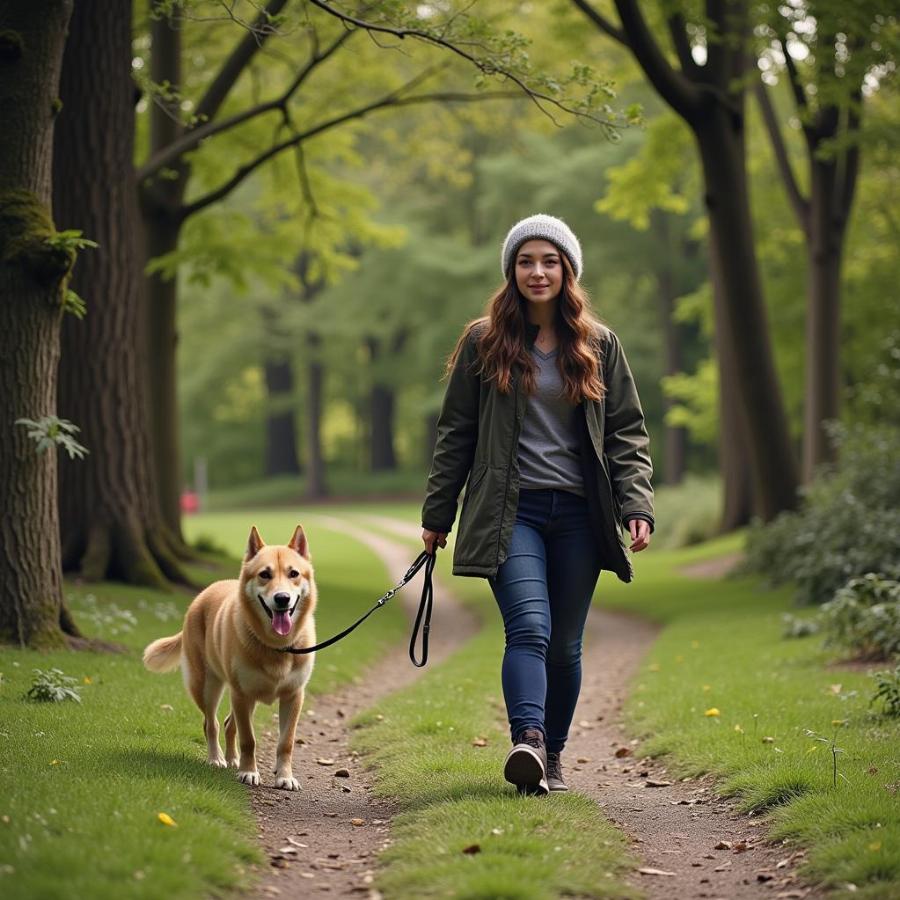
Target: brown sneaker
{"points": [[526, 763], [555, 780]]}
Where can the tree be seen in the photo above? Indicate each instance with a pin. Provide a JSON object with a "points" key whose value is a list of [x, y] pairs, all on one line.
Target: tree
{"points": [[130, 532], [35, 264], [109, 514], [710, 97], [826, 51]]}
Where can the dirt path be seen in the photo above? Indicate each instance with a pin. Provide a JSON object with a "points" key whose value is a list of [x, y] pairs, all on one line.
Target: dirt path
{"points": [[325, 839], [675, 827], [697, 844]]}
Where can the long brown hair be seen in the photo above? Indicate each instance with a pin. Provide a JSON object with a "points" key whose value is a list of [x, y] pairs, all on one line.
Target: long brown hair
{"points": [[501, 340]]}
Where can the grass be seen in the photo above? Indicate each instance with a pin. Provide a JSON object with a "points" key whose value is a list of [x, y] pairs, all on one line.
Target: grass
{"points": [[82, 784], [722, 649], [462, 831]]}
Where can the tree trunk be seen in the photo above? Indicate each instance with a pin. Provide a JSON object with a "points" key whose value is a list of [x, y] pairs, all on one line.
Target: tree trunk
{"points": [[162, 236], [741, 325], [160, 203], [110, 518], [316, 486], [381, 419], [825, 247], [734, 460], [675, 438], [281, 440], [32, 282]]}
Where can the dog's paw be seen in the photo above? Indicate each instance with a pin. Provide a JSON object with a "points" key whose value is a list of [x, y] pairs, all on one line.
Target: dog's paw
{"points": [[217, 762], [251, 778], [287, 784]]}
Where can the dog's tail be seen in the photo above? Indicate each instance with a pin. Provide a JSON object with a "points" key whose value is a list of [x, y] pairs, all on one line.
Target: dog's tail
{"points": [[163, 655]]}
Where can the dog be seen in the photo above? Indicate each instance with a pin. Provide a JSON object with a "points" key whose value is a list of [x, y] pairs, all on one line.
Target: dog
{"points": [[233, 634]]}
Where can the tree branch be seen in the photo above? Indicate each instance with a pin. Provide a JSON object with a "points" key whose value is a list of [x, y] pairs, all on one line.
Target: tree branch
{"points": [[680, 39], [793, 77], [799, 203], [680, 92], [487, 67], [199, 133], [850, 168], [236, 63], [602, 23], [392, 100]]}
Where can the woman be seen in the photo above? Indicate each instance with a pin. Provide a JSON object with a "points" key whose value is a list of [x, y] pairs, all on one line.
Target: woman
{"points": [[542, 416]]}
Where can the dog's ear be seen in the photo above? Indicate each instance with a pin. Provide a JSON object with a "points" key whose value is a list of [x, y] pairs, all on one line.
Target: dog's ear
{"points": [[299, 543], [254, 544]]}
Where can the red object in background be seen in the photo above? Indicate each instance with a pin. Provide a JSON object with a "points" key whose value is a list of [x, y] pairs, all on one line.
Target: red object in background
{"points": [[190, 502]]}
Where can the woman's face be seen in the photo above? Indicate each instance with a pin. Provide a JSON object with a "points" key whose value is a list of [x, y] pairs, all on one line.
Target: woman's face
{"points": [[539, 271]]}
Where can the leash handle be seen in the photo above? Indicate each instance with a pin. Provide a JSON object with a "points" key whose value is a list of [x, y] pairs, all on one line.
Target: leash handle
{"points": [[423, 616]]}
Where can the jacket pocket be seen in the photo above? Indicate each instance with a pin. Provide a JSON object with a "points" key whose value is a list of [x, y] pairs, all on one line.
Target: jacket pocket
{"points": [[479, 520]]}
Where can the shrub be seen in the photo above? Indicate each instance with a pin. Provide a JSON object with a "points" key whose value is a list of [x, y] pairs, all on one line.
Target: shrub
{"points": [[53, 686], [888, 691], [848, 523], [864, 618]]}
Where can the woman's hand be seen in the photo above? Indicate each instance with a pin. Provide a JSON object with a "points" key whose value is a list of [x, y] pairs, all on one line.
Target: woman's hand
{"points": [[640, 534], [430, 538]]}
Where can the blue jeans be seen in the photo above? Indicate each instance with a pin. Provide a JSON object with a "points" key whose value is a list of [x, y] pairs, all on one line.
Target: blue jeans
{"points": [[544, 590]]}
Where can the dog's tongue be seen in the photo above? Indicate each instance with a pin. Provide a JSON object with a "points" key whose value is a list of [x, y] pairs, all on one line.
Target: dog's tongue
{"points": [[281, 622]]}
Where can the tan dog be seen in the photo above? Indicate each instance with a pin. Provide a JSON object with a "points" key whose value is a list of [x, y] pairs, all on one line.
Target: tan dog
{"points": [[232, 634]]}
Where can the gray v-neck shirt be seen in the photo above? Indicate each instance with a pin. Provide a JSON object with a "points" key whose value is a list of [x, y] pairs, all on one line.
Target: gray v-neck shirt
{"points": [[549, 454]]}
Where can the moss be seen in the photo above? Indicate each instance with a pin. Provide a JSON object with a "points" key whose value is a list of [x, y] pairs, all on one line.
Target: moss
{"points": [[25, 226], [56, 106], [11, 46]]}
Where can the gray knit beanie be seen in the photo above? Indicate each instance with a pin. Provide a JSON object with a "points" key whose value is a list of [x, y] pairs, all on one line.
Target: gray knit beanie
{"points": [[541, 227]]}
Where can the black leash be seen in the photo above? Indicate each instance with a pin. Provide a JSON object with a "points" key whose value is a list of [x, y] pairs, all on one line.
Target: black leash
{"points": [[423, 616]]}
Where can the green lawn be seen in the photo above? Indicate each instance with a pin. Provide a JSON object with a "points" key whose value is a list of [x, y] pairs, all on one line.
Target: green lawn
{"points": [[82, 784], [722, 650], [463, 832]]}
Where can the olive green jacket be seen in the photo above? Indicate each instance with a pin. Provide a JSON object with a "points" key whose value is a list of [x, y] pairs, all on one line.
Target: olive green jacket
{"points": [[478, 438]]}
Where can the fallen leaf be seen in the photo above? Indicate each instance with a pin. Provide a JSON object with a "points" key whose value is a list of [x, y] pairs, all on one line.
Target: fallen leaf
{"points": [[479, 742], [835, 688], [712, 712], [768, 740], [656, 872], [325, 762], [166, 819], [582, 760], [623, 751], [472, 849]]}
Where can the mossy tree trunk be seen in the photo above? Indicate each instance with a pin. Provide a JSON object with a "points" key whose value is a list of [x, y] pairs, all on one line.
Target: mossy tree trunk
{"points": [[33, 278], [110, 518]]}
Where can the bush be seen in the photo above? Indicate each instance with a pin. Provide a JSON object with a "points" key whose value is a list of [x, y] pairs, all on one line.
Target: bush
{"points": [[864, 618], [848, 523], [53, 686], [888, 691]]}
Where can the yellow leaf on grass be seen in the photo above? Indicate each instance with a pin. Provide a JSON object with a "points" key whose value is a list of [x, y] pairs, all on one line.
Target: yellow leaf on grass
{"points": [[812, 749], [711, 712], [876, 845], [695, 645], [653, 667], [88, 679], [706, 688], [166, 819], [738, 729], [838, 721]]}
